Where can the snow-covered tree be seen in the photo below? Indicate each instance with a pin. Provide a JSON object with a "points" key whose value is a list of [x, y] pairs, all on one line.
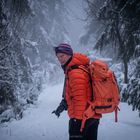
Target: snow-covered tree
{"points": [[133, 88], [28, 31], [119, 30], [120, 22]]}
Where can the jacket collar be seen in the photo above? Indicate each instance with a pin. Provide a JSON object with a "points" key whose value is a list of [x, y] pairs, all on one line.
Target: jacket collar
{"points": [[65, 65]]}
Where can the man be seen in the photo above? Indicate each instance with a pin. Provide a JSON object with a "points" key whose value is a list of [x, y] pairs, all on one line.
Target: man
{"points": [[76, 94]]}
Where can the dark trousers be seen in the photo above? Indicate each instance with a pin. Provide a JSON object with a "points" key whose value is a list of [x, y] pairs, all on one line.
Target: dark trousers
{"points": [[89, 133]]}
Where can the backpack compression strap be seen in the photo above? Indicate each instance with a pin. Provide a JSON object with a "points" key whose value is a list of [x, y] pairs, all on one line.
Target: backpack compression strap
{"points": [[116, 113]]}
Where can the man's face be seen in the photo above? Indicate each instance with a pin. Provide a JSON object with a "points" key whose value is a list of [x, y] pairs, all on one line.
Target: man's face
{"points": [[63, 58]]}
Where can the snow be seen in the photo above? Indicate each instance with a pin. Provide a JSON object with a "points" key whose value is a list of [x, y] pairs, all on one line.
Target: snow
{"points": [[39, 124], [33, 43], [93, 55], [46, 35]]}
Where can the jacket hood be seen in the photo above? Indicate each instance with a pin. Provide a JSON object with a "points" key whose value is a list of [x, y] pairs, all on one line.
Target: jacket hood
{"points": [[78, 59]]}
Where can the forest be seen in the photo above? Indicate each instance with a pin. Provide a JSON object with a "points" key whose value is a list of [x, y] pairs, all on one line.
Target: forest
{"points": [[29, 29]]}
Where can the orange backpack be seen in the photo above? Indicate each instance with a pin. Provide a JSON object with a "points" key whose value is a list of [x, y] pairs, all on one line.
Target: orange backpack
{"points": [[105, 90]]}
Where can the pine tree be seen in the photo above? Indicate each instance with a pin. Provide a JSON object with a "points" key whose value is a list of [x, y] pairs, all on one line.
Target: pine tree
{"points": [[133, 89], [28, 30], [121, 31], [120, 21]]}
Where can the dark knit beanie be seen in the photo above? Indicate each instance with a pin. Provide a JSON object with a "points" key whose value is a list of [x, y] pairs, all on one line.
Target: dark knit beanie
{"points": [[64, 48]]}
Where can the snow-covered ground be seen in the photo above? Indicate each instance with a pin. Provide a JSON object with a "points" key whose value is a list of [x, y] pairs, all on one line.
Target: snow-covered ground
{"points": [[39, 124]]}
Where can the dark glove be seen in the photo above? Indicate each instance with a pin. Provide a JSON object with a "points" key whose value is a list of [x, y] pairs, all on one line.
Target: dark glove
{"points": [[62, 106]]}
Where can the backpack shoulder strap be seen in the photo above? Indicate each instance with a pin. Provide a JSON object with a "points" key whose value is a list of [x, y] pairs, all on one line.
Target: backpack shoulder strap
{"points": [[83, 67]]}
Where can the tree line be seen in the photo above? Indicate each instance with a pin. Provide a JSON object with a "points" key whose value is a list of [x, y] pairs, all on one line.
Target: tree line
{"points": [[28, 30], [116, 26]]}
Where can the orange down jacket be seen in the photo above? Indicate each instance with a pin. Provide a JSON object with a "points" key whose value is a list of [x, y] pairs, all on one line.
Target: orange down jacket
{"points": [[78, 89]]}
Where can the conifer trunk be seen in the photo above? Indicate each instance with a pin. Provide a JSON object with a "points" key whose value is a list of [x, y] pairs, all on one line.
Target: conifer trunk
{"points": [[125, 71], [124, 57]]}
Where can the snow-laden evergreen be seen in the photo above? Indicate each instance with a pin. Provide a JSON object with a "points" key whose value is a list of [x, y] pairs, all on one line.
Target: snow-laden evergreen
{"points": [[118, 37], [132, 94], [29, 29]]}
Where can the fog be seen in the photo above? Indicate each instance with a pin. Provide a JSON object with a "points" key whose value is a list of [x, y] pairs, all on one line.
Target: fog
{"points": [[76, 24]]}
